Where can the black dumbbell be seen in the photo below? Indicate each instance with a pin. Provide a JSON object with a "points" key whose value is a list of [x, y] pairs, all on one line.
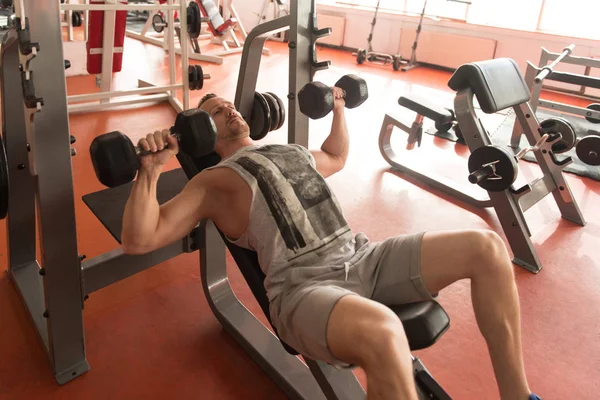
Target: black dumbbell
{"points": [[116, 159], [316, 100]]}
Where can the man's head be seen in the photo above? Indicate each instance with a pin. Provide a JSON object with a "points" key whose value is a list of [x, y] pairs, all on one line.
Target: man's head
{"points": [[230, 124]]}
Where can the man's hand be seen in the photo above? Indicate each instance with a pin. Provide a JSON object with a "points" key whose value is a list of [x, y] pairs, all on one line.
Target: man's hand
{"points": [[338, 96], [155, 143]]}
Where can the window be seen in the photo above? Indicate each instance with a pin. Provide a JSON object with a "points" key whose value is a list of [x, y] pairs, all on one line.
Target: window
{"points": [[436, 8], [511, 14], [571, 18]]}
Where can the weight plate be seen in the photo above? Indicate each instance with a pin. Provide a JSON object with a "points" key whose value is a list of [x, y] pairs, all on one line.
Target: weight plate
{"points": [[361, 56], [192, 77], [506, 167], [4, 186], [76, 19], [594, 107], [588, 150], [157, 23], [562, 127], [397, 63], [281, 109], [273, 111], [260, 120], [193, 20], [200, 74]]}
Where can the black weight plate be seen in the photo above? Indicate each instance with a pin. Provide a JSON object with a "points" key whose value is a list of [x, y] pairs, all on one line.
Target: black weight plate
{"points": [[158, 19], [193, 20], [565, 129], [200, 73], [361, 56], [588, 150], [281, 109], [4, 186], [273, 111], [397, 64], [193, 77], [260, 122], [506, 168], [595, 107], [76, 19]]}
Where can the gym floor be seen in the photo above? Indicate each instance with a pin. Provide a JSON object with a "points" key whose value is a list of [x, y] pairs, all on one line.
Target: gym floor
{"points": [[153, 336]]}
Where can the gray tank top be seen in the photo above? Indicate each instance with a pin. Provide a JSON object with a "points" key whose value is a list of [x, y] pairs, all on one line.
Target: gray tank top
{"points": [[295, 220]]}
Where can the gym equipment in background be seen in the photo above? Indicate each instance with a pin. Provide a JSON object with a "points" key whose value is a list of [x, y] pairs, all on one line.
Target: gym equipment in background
{"points": [[42, 192], [369, 55], [498, 85], [535, 78], [107, 24], [279, 9]]}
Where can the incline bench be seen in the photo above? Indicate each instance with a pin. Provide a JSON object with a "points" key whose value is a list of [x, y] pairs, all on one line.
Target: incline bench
{"points": [[423, 322]]}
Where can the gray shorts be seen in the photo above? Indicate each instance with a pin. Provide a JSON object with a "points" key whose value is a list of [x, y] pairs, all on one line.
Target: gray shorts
{"points": [[387, 272]]}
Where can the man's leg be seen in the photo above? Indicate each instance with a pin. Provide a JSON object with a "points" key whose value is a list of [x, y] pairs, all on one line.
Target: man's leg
{"points": [[368, 334], [482, 257]]}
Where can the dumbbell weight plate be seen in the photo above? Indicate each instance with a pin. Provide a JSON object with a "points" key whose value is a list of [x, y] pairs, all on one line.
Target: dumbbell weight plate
{"points": [[260, 120], [281, 109], [562, 126], [588, 150], [506, 168], [114, 159], [4, 186], [593, 107], [194, 20], [273, 111], [157, 23], [355, 88]]}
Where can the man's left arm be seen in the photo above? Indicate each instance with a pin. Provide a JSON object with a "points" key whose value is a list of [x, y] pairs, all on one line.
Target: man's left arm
{"points": [[332, 156]]}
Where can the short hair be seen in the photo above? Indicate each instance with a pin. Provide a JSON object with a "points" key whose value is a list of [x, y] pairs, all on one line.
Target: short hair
{"points": [[205, 98]]}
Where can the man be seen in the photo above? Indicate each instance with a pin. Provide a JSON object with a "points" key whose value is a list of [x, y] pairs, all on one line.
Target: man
{"points": [[328, 287]]}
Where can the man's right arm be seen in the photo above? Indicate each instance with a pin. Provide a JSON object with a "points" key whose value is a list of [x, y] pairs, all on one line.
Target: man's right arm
{"points": [[148, 226]]}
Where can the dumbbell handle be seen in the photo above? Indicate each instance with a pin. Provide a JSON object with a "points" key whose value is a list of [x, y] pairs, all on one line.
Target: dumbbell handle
{"points": [[141, 152]]}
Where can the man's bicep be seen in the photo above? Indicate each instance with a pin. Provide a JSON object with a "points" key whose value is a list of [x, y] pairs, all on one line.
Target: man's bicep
{"points": [[325, 163]]}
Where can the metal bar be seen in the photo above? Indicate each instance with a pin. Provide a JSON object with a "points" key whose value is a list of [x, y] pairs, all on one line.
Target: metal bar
{"points": [[584, 61], [585, 112], [250, 63], [20, 223], [176, 104], [437, 182], [185, 50], [301, 71], [111, 267], [119, 7], [83, 107], [56, 203], [562, 192], [548, 69], [287, 371], [336, 384], [574, 79], [540, 188], [505, 204], [120, 93], [30, 286], [171, 39]]}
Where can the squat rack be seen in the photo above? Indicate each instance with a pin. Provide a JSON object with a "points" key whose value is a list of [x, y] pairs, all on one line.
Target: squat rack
{"points": [[54, 288]]}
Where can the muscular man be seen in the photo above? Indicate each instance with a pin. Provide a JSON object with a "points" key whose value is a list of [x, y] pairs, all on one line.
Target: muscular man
{"points": [[327, 286]]}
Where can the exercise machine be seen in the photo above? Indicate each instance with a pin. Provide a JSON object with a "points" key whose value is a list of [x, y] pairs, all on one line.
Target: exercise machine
{"points": [[498, 85], [54, 288], [105, 48], [587, 148]]}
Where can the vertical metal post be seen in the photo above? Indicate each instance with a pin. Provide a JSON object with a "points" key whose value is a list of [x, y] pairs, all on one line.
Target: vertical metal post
{"points": [[108, 51], [301, 71], [185, 50], [56, 204]]}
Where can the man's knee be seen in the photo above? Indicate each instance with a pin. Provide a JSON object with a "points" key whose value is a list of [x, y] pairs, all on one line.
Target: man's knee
{"points": [[489, 253]]}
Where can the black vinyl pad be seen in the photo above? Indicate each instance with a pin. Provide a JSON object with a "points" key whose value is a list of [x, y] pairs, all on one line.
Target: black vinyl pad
{"points": [[108, 205], [426, 108], [424, 322], [498, 84]]}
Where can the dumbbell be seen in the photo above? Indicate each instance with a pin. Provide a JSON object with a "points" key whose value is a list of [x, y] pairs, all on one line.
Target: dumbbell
{"points": [[268, 114], [316, 100], [196, 77], [116, 159], [495, 169], [586, 148], [194, 20]]}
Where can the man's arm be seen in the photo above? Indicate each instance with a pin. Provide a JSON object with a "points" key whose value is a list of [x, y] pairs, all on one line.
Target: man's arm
{"points": [[148, 226], [332, 156]]}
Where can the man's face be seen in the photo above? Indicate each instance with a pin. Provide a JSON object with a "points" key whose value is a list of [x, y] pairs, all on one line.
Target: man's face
{"points": [[229, 122]]}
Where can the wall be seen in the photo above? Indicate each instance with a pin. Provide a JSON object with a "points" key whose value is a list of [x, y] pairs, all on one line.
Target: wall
{"points": [[518, 45]]}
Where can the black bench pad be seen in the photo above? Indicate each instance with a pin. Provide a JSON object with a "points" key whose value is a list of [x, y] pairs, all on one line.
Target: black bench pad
{"points": [[424, 322], [426, 108]]}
